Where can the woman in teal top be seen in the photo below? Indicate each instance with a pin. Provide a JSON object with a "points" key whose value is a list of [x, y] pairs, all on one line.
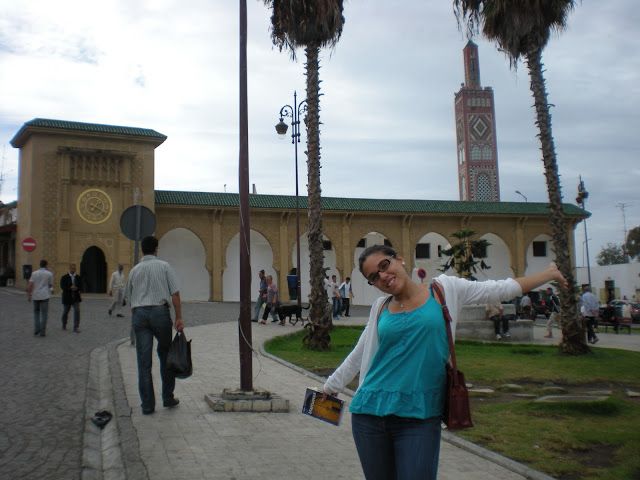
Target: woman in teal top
{"points": [[401, 356]]}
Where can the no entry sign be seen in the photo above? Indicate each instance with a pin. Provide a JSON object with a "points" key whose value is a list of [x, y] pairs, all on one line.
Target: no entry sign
{"points": [[29, 244]]}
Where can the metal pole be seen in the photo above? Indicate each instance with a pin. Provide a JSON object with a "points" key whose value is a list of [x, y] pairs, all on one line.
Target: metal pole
{"points": [[244, 327], [295, 134]]}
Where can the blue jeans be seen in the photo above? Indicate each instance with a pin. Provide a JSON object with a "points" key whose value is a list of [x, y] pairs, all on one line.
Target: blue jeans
{"points": [[149, 322], [337, 307], [40, 314], [259, 302], [76, 314], [397, 448]]}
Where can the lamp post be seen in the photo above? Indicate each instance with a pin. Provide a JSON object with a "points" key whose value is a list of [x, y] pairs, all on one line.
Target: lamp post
{"points": [[281, 128], [522, 195], [580, 199]]}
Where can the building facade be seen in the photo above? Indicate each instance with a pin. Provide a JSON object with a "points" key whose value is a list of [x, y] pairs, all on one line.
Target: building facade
{"points": [[476, 142], [76, 180]]}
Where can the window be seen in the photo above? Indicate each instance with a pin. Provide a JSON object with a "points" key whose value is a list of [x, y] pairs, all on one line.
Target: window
{"points": [[539, 249], [387, 243], [480, 251], [423, 250], [326, 245], [361, 243], [439, 251]]}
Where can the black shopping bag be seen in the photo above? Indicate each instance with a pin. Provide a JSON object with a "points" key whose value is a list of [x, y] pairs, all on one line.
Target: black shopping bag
{"points": [[179, 357]]}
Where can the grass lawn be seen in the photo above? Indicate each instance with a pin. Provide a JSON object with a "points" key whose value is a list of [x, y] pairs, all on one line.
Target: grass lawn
{"points": [[567, 440]]}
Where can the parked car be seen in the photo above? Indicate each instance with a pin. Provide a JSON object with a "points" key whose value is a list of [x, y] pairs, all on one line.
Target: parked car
{"points": [[616, 308], [635, 312]]}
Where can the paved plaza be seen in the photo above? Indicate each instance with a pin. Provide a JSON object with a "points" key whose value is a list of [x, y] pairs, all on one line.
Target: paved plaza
{"points": [[53, 385]]}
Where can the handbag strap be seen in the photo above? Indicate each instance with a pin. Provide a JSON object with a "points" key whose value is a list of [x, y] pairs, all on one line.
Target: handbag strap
{"points": [[382, 307], [439, 294]]}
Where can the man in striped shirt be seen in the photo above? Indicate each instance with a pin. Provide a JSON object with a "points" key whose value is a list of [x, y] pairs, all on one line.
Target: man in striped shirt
{"points": [[152, 285]]}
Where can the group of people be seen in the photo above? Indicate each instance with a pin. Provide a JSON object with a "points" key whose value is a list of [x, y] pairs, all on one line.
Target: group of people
{"points": [[151, 290], [269, 298], [401, 355], [341, 295]]}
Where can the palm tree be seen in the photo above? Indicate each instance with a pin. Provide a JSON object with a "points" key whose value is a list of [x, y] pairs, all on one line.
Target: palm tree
{"points": [[463, 255], [311, 24], [521, 29]]}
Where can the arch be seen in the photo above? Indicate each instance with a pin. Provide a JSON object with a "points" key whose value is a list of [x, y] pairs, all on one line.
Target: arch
{"points": [[261, 259], [93, 270], [185, 252], [498, 258], [431, 265]]}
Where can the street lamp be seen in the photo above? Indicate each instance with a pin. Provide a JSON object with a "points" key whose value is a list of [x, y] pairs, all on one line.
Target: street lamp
{"points": [[522, 195], [580, 199], [281, 128]]}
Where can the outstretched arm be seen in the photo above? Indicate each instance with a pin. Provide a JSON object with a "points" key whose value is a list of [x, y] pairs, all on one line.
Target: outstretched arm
{"points": [[550, 274]]}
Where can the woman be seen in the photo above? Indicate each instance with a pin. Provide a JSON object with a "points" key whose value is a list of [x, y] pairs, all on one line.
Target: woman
{"points": [[401, 357]]}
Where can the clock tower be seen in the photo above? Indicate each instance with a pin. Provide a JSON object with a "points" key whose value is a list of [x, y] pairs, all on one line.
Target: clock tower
{"points": [[476, 143], [76, 179]]}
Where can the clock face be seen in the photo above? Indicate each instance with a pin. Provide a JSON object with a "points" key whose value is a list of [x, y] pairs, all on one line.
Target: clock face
{"points": [[94, 206]]}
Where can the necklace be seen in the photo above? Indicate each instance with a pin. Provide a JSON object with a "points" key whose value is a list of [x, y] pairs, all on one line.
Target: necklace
{"points": [[399, 303]]}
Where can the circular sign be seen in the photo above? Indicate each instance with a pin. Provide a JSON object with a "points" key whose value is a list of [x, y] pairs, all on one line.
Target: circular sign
{"points": [[29, 244], [94, 206], [137, 222]]}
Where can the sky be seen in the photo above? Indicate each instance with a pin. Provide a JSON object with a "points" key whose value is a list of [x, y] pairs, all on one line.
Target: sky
{"points": [[387, 106]]}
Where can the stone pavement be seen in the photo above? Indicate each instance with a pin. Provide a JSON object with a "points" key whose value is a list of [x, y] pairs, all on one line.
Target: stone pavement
{"points": [[193, 442]]}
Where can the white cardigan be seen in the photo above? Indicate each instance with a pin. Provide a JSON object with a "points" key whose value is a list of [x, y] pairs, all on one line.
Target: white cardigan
{"points": [[457, 292]]}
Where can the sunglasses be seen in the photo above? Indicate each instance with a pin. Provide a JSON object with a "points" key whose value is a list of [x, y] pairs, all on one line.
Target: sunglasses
{"points": [[382, 267]]}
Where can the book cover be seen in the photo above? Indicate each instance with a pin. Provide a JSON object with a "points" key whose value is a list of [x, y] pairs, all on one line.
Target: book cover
{"points": [[328, 409]]}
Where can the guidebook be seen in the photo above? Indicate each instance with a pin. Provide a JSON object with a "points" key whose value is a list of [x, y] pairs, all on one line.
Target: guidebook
{"points": [[324, 407]]}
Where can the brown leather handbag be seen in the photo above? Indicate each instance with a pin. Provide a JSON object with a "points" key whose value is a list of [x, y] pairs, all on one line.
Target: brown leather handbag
{"points": [[457, 414]]}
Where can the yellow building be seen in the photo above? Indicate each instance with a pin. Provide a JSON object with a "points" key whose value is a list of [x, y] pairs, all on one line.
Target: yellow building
{"points": [[76, 179]]}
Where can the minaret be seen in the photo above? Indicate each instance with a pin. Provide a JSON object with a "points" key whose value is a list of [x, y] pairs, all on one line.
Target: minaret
{"points": [[477, 151]]}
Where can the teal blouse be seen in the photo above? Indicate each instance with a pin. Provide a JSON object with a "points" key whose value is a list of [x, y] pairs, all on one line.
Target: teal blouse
{"points": [[407, 373]]}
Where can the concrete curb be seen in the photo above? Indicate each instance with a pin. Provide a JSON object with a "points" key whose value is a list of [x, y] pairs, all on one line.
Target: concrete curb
{"points": [[102, 455], [447, 436]]}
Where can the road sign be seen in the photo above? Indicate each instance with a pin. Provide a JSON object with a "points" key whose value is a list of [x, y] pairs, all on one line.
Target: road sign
{"points": [[29, 244], [137, 222]]}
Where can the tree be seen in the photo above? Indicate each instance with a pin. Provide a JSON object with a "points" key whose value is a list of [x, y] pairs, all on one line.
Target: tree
{"points": [[633, 243], [521, 30], [463, 255], [311, 24], [612, 254]]}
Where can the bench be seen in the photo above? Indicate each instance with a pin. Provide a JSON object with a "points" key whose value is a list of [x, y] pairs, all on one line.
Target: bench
{"points": [[616, 324]]}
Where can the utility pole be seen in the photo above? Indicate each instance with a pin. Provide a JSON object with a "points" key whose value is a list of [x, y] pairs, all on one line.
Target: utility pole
{"points": [[623, 206]]}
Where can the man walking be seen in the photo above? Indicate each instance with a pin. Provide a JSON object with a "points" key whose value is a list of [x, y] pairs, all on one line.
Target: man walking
{"points": [[346, 292], [39, 291], [590, 309], [152, 285], [335, 297], [71, 287], [116, 290], [554, 312], [262, 295]]}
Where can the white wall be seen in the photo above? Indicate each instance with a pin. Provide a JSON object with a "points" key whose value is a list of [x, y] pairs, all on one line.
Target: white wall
{"points": [[626, 277], [498, 258], [537, 264], [186, 254]]}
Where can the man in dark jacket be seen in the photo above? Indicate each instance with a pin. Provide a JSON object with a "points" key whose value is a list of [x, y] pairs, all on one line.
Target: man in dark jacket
{"points": [[71, 285]]}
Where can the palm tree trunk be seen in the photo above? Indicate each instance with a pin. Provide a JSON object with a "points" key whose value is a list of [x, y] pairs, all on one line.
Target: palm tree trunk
{"points": [[317, 336], [573, 333]]}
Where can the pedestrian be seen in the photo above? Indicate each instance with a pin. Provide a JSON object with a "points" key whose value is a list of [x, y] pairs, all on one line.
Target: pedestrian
{"points": [[116, 290], [272, 303], [151, 288], [262, 295], [590, 309], [71, 286], [39, 291], [346, 294], [525, 306], [401, 356], [554, 312], [335, 297], [495, 313]]}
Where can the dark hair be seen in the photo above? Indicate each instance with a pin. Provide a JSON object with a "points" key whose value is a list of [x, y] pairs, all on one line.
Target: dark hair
{"points": [[367, 252], [43, 263], [149, 245]]}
